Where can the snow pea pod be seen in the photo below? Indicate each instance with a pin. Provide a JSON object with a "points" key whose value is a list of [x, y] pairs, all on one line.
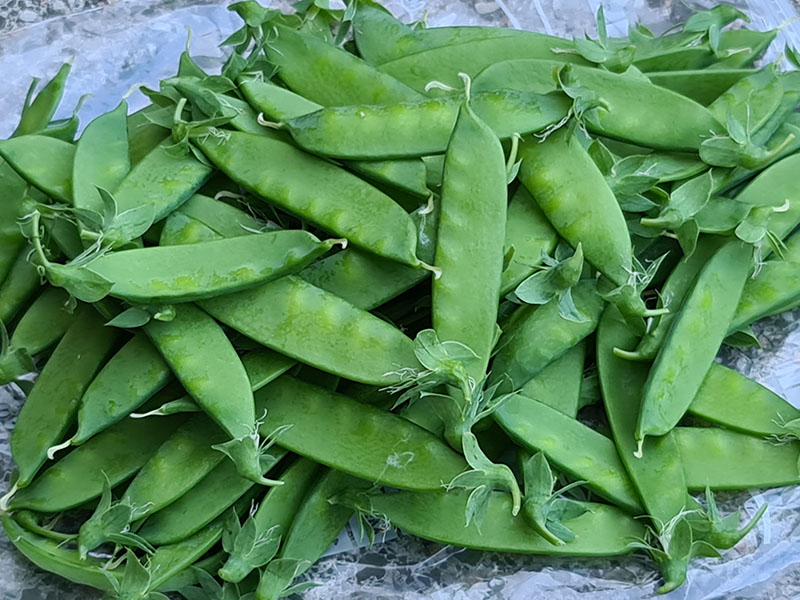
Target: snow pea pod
{"points": [[539, 335], [745, 46], [205, 362], [469, 241], [291, 179], [101, 158], [224, 219], [117, 453], [658, 476], [730, 399], [53, 402], [44, 162], [38, 114], [707, 452], [701, 85], [601, 531], [164, 274], [318, 328], [19, 286], [572, 446], [558, 385], [143, 134], [12, 188], [326, 426], [389, 131], [575, 197], [693, 340]]}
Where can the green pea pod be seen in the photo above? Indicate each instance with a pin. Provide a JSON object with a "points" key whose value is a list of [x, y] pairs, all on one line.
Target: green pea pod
{"points": [[206, 364], [224, 219], [116, 453], [291, 179], [693, 340], [701, 85], [734, 401], [19, 286], [179, 228], [469, 242], [325, 426], [539, 335], [707, 452], [745, 46], [600, 531], [558, 385], [574, 195], [657, 476], [53, 402], [12, 188], [299, 320], [329, 75], [179, 464], [128, 380], [203, 503], [38, 114], [675, 59], [369, 132], [572, 446], [144, 135], [408, 175], [44, 162]]}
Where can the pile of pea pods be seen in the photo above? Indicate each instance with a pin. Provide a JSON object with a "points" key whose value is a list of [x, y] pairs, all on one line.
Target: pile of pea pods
{"points": [[466, 281]]}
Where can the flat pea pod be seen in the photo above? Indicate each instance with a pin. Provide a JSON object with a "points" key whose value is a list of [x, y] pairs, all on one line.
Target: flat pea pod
{"points": [[128, 380], [730, 399], [12, 188], [682, 124], [658, 475], [203, 503], [693, 340], [38, 114], [117, 453], [570, 445], [469, 241], [179, 464], [179, 228], [206, 364], [291, 179], [409, 175], [329, 75], [315, 527], [224, 219], [707, 452], [165, 274], [101, 158], [44, 162], [539, 335], [558, 385], [318, 328], [572, 192], [326, 426], [672, 296], [53, 402], [701, 85], [745, 46], [19, 286], [528, 236], [675, 59], [370, 132], [143, 134], [600, 531]]}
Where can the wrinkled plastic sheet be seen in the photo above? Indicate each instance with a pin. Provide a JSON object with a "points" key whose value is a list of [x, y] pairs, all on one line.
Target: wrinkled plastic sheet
{"points": [[118, 46]]}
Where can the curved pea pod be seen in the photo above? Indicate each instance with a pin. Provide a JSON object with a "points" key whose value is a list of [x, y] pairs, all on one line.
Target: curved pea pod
{"points": [[539, 335], [12, 188], [44, 162], [730, 399], [469, 241], [558, 385], [203, 503], [205, 362], [101, 158], [326, 426], [291, 179], [51, 556], [117, 453], [179, 464], [572, 446], [600, 531], [625, 112], [53, 402], [574, 195], [707, 452], [128, 380], [693, 340], [658, 475], [701, 85], [19, 286], [370, 132], [329, 75], [528, 236], [165, 274], [318, 328]]}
